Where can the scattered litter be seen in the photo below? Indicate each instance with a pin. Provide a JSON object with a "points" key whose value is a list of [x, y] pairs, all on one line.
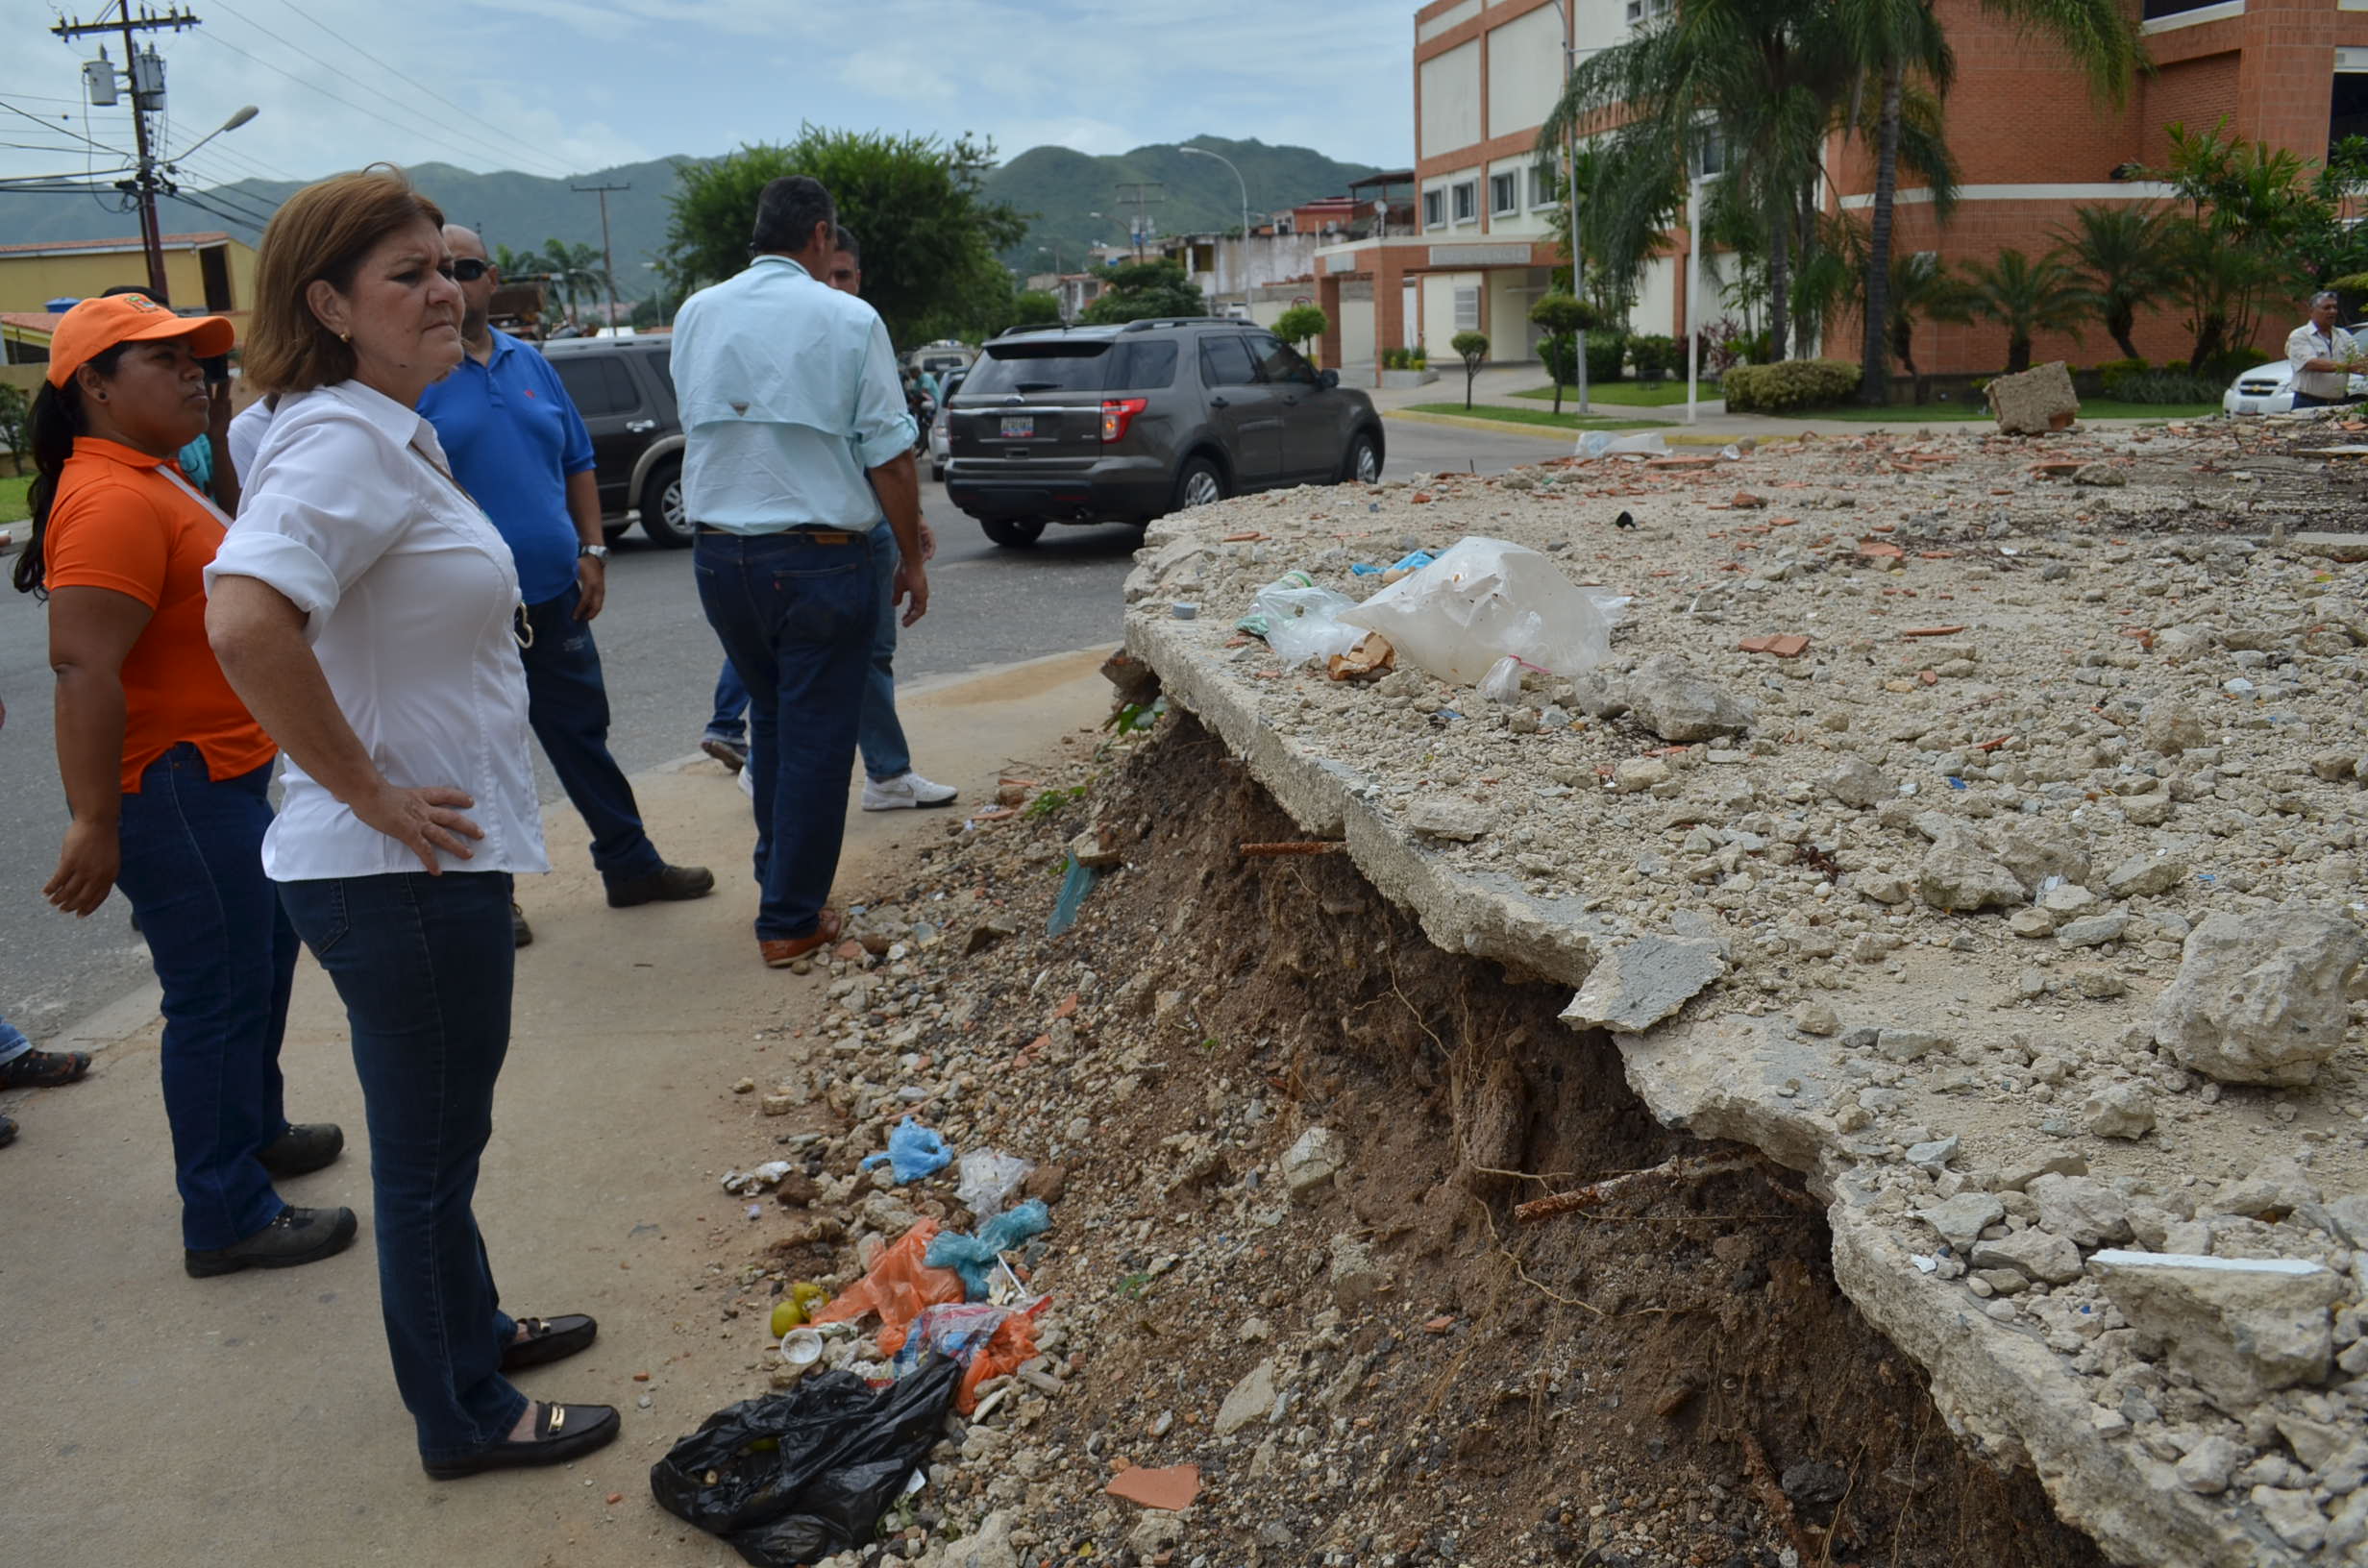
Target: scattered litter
{"points": [[914, 1153], [1080, 882], [1604, 443], [749, 1183], [1482, 600], [989, 1179], [1371, 658], [972, 1258], [900, 1287]]}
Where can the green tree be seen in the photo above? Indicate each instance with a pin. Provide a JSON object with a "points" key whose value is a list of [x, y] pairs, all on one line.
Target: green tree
{"points": [[1890, 41], [16, 409], [1302, 324], [576, 271], [1472, 347], [930, 233], [1145, 290], [2025, 297], [1563, 317], [2256, 226], [2125, 261], [1034, 308]]}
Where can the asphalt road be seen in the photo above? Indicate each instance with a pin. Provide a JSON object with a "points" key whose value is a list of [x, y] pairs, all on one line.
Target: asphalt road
{"points": [[989, 606]]}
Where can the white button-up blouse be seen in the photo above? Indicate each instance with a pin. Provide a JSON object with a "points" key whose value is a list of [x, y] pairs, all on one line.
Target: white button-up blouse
{"points": [[410, 600]]}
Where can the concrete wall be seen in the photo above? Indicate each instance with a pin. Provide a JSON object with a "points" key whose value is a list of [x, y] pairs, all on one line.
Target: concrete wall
{"points": [[1448, 95], [1356, 330], [1525, 71], [27, 282]]}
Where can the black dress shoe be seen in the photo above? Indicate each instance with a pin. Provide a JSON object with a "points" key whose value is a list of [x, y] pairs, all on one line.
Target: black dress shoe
{"points": [[521, 934], [561, 1433], [548, 1340], [668, 884], [299, 1236], [303, 1149]]}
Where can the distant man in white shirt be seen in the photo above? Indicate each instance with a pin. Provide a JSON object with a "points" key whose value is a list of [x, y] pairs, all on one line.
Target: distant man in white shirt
{"points": [[794, 423], [2323, 355]]}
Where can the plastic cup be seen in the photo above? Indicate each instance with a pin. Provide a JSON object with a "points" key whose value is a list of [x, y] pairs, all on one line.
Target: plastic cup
{"points": [[801, 1347]]}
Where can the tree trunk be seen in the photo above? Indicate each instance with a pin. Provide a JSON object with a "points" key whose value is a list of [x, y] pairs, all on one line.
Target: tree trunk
{"points": [[2118, 324], [2018, 354], [1875, 384], [1780, 278], [1805, 331]]}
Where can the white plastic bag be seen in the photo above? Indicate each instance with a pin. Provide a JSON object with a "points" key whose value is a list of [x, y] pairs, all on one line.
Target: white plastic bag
{"points": [[1303, 624], [989, 1180], [1503, 682], [1482, 600], [1604, 443]]}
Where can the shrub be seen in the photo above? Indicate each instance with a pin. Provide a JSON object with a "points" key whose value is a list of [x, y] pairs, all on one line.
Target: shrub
{"points": [[1419, 360], [2160, 386], [1791, 384], [1301, 324], [2113, 372], [1396, 359], [1654, 354], [1605, 349]]}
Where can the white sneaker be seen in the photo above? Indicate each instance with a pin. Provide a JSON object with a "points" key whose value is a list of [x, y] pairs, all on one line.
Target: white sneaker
{"points": [[747, 782], [905, 790]]}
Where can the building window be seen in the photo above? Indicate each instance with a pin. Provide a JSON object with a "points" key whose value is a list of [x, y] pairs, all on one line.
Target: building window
{"points": [[2347, 110], [1541, 184], [1467, 309], [1467, 199], [1434, 210], [1641, 12], [1709, 152], [1504, 194], [2154, 10]]}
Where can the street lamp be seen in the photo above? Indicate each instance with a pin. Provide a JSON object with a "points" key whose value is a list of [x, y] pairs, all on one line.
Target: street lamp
{"points": [[241, 117], [1203, 151], [1697, 172], [1570, 187]]}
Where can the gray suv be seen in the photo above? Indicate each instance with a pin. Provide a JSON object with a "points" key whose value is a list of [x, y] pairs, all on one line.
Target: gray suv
{"points": [[1124, 424]]}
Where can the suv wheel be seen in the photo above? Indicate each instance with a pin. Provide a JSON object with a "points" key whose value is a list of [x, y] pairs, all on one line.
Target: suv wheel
{"points": [[1012, 533], [1201, 483], [662, 516], [1363, 464]]}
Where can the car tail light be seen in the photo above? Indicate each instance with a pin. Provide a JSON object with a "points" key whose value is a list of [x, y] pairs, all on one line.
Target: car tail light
{"points": [[1118, 413]]}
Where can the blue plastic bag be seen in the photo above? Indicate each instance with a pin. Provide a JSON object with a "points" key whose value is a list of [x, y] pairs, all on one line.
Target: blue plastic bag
{"points": [[914, 1152], [972, 1256]]}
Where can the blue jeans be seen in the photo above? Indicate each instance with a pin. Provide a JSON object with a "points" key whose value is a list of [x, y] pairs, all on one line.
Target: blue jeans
{"points": [[12, 1042], [423, 965], [796, 617], [568, 707], [878, 736], [193, 871]]}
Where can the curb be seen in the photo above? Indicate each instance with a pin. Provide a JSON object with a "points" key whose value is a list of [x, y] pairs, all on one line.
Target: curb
{"points": [[1677, 436]]}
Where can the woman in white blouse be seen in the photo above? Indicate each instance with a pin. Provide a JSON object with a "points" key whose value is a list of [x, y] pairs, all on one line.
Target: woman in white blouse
{"points": [[363, 608]]}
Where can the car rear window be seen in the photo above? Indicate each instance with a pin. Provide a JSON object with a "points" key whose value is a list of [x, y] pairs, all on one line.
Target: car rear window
{"points": [[1073, 366], [596, 384]]}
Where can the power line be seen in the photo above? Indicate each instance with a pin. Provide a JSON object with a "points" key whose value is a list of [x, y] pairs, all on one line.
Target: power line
{"points": [[325, 65], [507, 134], [64, 131], [314, 86]]}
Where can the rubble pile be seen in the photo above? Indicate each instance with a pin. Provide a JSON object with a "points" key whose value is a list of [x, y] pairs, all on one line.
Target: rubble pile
{"points": [[1292, 1316], [1974, 825]]}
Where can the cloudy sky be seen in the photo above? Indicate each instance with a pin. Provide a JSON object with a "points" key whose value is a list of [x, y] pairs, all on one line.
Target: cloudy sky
{"points": [[565, 86]]}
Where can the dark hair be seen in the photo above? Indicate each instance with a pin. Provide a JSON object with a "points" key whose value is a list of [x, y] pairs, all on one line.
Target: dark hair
{"points": [[56, 420], [787, 212], [321, 233], [843, 239]]}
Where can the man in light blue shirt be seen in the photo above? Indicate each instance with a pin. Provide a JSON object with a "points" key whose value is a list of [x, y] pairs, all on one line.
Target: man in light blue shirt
{"points": [[796, 440]]}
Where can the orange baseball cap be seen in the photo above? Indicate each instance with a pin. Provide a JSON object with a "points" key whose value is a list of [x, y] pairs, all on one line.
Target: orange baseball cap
{"points": [[95, 326]]}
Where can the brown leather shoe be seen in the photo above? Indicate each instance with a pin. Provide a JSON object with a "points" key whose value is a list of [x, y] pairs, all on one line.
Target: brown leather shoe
{"points": [[780, 953]]}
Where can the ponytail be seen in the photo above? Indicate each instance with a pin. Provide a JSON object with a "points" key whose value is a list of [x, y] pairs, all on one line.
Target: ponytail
{"points": [[57, 419]]}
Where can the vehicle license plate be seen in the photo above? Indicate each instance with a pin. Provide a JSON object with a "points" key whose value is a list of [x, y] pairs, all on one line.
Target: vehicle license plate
{"points": [[2248, 405], [1019, 427]]}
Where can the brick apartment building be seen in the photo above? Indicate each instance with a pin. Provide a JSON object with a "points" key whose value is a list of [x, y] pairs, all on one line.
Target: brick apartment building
{"points": [[2031, 146]]}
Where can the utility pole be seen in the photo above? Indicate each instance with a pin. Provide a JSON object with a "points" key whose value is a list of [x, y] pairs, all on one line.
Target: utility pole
{"points": [[1142, 198], [147, 78], [609, 261]]}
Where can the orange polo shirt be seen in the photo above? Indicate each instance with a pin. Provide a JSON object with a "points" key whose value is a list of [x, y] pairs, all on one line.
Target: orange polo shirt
{"points": [[120, 523]]}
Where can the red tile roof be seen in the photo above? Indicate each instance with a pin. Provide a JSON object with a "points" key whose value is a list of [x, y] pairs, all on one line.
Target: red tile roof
{"points": [[29, 320]]}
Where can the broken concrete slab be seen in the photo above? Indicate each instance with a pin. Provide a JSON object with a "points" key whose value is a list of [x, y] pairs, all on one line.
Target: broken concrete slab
{"points": [[2035, 401], [1678, 703], [2332, 546], [2243, 1328], [1639, 984], [1252, 1399], [1313, 1161], [2260, 998], [1960, 873], [1445, 817]]}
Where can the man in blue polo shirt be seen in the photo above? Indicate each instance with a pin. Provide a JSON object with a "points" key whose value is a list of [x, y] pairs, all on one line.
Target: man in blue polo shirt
{"points": [[517, 445]]}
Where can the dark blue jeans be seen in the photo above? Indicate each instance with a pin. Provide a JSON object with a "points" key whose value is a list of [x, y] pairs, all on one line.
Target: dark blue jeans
{"points": [[795, 618], [193, 871], [731, 720], [568, 707], [878, 736], [423, 965]]}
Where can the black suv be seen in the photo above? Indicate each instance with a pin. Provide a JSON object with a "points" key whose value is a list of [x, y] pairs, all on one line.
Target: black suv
{"points": [[1124, 424], [625, 390]]}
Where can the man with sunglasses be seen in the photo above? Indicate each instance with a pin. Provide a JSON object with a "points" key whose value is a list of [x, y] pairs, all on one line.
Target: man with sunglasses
{"points": [[518, 447]]}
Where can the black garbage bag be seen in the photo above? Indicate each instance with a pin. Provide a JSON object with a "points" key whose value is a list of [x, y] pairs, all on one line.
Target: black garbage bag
{"points": [[792, 1478]]}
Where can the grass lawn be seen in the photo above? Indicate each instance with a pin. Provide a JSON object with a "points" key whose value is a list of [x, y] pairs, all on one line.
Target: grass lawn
{"points": [[1536, 416], [1941, 413], [13, 499], [1626, 394]]}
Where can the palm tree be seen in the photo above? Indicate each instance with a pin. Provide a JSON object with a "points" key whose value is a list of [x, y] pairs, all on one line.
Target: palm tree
{"points": [[2025, 297], [574, 269], [1890, 38], [2125, 260]]}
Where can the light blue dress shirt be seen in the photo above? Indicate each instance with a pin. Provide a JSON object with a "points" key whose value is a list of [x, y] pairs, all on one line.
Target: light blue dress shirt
{"points": [[788, 392]]}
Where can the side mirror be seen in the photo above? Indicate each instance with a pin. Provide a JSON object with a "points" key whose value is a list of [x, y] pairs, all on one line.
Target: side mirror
{"points": [[1328, 380]]}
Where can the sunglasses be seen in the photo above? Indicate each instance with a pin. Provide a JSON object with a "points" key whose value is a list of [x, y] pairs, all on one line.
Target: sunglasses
{"points": [[468, 269]]}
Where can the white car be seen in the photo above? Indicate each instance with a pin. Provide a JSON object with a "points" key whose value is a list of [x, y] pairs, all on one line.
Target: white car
{"points": [[2269, 389]]}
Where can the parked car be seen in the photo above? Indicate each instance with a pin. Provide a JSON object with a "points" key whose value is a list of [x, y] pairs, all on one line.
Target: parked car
{"points": [[939, 430], [623, 387], [1127, 423], [941, 357], [2269, 389]]}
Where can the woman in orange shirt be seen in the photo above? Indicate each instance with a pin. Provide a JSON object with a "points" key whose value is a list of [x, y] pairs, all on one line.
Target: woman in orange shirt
{"points": [[166, 772]]}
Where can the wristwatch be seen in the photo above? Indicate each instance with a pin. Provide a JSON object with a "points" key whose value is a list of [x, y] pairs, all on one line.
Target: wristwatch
{"points": [[599, 552]]}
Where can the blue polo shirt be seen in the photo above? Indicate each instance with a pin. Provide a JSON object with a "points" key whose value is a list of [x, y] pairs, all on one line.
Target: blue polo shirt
{"points": [[513, 436]]}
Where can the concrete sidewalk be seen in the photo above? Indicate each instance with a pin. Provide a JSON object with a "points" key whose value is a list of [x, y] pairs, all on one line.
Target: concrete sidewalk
{"points": [[159, 1420]]}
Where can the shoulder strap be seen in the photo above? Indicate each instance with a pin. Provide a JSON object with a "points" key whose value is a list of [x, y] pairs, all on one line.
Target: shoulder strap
{"points": [[193, 493]]}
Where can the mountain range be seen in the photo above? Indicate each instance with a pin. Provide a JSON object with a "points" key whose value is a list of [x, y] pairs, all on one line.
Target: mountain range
{"points": [[1063, 189]]}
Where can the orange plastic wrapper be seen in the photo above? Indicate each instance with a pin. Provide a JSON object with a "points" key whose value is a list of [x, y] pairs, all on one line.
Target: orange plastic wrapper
{"points": [[898, 1287], [1006, 1350]]}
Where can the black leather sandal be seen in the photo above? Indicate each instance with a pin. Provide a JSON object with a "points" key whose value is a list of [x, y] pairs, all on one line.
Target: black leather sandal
{"points": [[561, 1433], [549, 1339]]}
